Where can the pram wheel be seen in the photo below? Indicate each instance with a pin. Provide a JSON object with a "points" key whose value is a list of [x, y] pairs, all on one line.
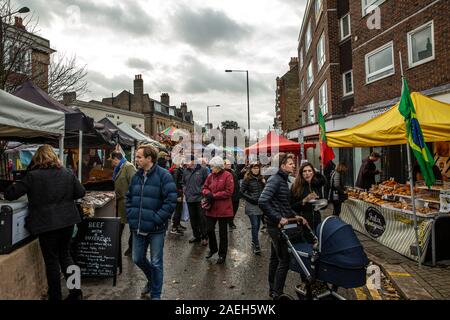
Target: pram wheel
{"points": [[285, 297]]}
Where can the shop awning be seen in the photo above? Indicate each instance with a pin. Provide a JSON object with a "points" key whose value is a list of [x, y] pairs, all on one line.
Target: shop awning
{"points": [[22, 119], [389, 128], [279, 143]]}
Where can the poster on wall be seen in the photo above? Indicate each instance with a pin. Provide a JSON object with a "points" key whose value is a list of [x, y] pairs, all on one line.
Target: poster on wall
{"points": [[442, 158]]}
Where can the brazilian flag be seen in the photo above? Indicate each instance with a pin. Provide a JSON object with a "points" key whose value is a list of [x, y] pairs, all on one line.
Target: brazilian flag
{"points": [[415, 136]]}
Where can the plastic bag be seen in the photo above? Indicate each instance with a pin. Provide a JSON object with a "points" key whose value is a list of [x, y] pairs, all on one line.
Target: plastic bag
{"points": [[185, 212]]}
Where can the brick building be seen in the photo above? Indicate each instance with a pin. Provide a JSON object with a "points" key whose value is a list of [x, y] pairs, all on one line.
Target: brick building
{"points": [[26, 56], [287, 98], [158, 114], [349, 66]]}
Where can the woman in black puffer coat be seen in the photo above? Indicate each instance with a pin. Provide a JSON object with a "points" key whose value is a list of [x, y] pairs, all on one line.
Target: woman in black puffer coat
{"points": [[51, 191], [307, 186], [251, 189]]}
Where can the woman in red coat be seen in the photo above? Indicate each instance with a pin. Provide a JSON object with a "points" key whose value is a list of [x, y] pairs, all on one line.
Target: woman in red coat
{"points": [[218, 191]]}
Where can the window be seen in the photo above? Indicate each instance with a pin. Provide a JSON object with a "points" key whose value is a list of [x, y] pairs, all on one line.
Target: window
{"points": [[308, 37], [311, 111], [171, 112], [421, 44], [303, 117], [321, 53], [345, 27], [157, 107], [18, 57], [323, 98], [318, 8], [309, 75], [380, 63], [301, 89], [367, 4], [347, 79]]}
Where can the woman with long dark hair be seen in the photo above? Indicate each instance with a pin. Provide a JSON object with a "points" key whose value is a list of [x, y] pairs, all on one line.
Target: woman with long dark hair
{"points": [[51, 191], [307, 186], [251, 189]]}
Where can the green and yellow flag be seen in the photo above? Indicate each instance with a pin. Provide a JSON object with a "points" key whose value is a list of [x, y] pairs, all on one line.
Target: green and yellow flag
{"points": [[415, 137], [326, 153]]}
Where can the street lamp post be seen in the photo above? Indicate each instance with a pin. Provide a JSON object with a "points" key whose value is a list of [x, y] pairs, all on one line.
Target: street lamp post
{"points": [[248, 100], [2, 47], [207, 112]]}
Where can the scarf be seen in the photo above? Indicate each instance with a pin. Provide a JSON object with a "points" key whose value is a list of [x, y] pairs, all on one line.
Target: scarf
{"points": [[117, 169]]}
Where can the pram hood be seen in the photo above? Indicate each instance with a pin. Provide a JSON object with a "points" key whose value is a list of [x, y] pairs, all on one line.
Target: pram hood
{"points": [[339, 246]]}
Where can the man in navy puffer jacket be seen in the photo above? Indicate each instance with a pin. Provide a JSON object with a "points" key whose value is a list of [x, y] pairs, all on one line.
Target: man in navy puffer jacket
{"points": [[150, 202]]}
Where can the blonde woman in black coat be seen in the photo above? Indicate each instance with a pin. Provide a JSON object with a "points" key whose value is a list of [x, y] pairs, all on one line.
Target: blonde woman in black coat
{"points": [[52, 191]]}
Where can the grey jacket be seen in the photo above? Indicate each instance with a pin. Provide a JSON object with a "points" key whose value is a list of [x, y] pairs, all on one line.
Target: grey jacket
{"points": [[193, 180]]}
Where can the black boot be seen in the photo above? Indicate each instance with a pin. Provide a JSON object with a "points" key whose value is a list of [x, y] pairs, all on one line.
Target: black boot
{"points": [[75, 294]]}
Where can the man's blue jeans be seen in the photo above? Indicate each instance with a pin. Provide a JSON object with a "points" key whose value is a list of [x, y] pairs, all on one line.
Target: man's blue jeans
{"points": [[152, 269], [255, 220]]}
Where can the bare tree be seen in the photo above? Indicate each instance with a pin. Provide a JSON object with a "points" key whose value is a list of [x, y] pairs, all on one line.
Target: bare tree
{"points": [[65, 75], [17, 64]]}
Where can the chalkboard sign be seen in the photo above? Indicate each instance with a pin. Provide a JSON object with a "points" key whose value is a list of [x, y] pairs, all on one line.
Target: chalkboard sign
{"points": [[97, 247]]}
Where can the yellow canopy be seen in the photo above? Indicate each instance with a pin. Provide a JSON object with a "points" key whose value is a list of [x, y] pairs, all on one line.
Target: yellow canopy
{"points": [[389, 128]]}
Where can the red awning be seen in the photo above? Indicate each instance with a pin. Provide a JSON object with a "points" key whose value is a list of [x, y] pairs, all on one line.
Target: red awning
{"points": [[279, 143]]}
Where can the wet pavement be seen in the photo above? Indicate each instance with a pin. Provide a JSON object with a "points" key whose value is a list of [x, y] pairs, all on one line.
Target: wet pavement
{"points": [[188, 275]]}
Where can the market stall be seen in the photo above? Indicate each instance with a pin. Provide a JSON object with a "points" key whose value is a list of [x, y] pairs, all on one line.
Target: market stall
{"points": [[21, 121], [273, 142], [385, 211]]}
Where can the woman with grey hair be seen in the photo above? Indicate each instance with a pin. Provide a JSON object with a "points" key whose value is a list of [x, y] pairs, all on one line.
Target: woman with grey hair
{"points": [[218, 191]]}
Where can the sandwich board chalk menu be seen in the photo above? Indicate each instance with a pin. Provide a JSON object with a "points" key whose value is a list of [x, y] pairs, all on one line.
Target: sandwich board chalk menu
{"points": [[97, 247]]}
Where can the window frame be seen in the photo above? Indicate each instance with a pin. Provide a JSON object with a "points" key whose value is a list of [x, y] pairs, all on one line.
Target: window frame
{"points": [[309, 111], [412, 64], [308, 85], [374, 52], [345, 94], [321, 43], [326, 97], [309, 34], [318, 12], [364, 6], [341, 24]]}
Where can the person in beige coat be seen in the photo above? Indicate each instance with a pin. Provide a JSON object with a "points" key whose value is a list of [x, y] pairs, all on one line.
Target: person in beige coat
{"points": [[122, 175]]}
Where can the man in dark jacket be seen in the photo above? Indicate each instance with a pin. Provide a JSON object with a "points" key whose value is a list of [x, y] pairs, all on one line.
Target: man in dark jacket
{"points": [[274, 203], [368, 171], [194, 176], [151, 200], [236, 192]]}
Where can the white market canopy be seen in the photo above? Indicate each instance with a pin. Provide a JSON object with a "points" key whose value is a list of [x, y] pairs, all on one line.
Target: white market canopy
{"points": [[129, 130], [20, 118]]}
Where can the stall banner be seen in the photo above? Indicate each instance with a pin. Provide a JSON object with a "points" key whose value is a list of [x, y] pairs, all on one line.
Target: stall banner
{"points": [[391, 228]]}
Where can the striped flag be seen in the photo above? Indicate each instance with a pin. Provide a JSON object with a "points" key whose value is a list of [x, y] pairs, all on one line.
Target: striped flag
{"points": [[326, 153], [415, 137]]}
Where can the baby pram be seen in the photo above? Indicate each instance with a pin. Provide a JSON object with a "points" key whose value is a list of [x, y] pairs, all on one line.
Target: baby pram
{"points": [[336, 259]]}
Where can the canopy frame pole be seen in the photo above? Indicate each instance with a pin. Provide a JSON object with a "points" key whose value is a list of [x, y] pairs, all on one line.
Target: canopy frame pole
{"points": [[80, 152], [411, 183], [61, 149], [133, 148]]}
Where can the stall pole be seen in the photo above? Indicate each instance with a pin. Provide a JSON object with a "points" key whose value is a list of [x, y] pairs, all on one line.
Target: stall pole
{"points": [[80, 153], [132, 154], [411, 184], [61, 149]]}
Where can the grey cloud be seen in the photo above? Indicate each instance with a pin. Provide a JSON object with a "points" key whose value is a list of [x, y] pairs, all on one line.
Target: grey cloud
{"points": [[208, 29], [199, 78], [114, 85], [126, 17], [136, 63]]}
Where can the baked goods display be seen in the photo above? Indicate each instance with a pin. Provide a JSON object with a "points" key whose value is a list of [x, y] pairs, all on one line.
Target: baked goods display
{"points": [[392, 194], [95, 199]]}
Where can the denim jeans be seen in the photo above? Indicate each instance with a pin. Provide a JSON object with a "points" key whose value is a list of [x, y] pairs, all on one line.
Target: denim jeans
{"points": [[153, 268], [279, 261], [255, 221]]}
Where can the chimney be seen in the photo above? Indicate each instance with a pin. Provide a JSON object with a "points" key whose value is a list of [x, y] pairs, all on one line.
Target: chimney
{"points": [[293, 63], [138, 86], [69, 97], [18, 23], [165, 99], [183, 107]]}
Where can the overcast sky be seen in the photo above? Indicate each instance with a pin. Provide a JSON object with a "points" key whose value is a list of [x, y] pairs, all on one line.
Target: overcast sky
{"points": [[181, 47]]}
